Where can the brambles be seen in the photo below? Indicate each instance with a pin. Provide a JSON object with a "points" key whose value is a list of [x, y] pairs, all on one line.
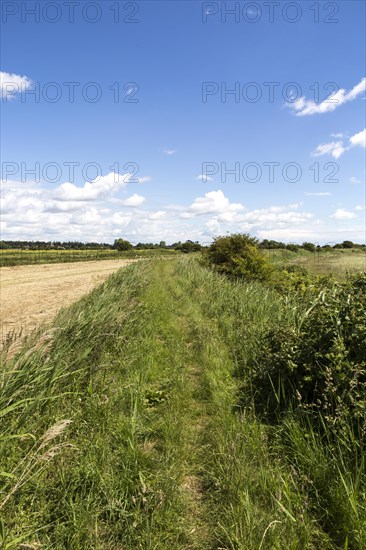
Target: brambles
{"points": [[319, 366]]}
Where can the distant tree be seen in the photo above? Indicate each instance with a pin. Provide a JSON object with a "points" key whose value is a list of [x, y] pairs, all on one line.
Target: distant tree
{"points": [[271, 245], [309, 246], [189, 246], [292, 247], [122, 244], [347, 244], [162, 244]]}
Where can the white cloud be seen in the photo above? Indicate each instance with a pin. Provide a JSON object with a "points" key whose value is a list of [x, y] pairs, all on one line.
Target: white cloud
{"points": [[134, 200], [159, 215], [337, 135], [91, 216], [204, 178], [212, 202], [354, 180], [96, 189], [121, 219], [54, 206], [12, 84], [320, 194], [275, 215], [304, 107], [342, 214], [144, 179], [337, 148], [359, 140], [334, 148], [169, 152], [360, 207], [31, 211], [213, 226]]}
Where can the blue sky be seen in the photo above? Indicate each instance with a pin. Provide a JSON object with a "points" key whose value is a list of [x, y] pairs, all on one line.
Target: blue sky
{"points": [[160, 148]]}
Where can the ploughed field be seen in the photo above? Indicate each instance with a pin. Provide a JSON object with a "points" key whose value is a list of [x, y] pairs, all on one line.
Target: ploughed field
{"points": [[31, 294]]}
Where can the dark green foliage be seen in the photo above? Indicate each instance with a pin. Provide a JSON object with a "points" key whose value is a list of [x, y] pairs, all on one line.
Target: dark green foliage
{"points": [[347, 244], [321, 364], [189, 246], [122, 244], [271, 245], [309, 246], [238, 256], [293, 247]]}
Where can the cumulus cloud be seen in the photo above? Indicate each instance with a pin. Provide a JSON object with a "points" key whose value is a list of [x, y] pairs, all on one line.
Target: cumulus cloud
{"points": [[94, 190], [224, 215], [159, 215], [12, 84], [275, 215], [134, 200], [121, 219], [305, 107], [343, 214], [31, 211], [169, 152], [212, 202]]}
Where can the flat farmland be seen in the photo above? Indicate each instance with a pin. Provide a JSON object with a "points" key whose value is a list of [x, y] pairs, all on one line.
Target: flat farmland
{"points": [[32, 294]]}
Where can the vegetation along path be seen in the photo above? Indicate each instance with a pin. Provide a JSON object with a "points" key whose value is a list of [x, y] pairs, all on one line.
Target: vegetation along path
{"points": [[125, 427]]}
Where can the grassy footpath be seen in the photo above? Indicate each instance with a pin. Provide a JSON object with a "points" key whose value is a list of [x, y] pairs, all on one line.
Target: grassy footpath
{"points": [[121, 429]]}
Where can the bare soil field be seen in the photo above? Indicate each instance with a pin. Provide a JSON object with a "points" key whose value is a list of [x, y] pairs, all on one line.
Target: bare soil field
{"points": [[30, 295]]}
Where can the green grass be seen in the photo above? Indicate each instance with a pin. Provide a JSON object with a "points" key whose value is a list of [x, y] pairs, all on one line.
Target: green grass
{"points": [[323, 262], [122, 427], [13, 257]]}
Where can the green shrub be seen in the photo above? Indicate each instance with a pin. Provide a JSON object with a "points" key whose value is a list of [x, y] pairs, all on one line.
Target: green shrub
{"points": [[122, 244], [238, 256], [295, 278], [319, 366]]}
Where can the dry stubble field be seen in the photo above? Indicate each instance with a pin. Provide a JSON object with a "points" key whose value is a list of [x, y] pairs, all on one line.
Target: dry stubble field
{"points": [[32, 294]]}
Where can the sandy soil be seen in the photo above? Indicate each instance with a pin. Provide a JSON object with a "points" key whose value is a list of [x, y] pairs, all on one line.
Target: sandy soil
{"points": [[32, 294]]}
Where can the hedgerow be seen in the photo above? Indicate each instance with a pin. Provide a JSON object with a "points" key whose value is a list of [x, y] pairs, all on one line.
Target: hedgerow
{"points": [[319, 365]]}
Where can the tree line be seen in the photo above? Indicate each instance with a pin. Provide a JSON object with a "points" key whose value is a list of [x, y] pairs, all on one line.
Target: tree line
{"points": [[187, 246]]}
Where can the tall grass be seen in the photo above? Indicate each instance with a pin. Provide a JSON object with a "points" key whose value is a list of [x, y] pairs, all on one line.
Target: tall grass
{"points": [[123, 426]]}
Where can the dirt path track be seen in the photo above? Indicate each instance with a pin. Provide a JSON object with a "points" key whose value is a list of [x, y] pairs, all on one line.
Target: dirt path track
{"points": [[30, 295]]}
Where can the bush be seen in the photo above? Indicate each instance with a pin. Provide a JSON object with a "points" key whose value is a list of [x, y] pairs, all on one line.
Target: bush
{"points": [[238, 255], [299, 280], [121, 244], [189, 246], [309, 246], [320, 366]]}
